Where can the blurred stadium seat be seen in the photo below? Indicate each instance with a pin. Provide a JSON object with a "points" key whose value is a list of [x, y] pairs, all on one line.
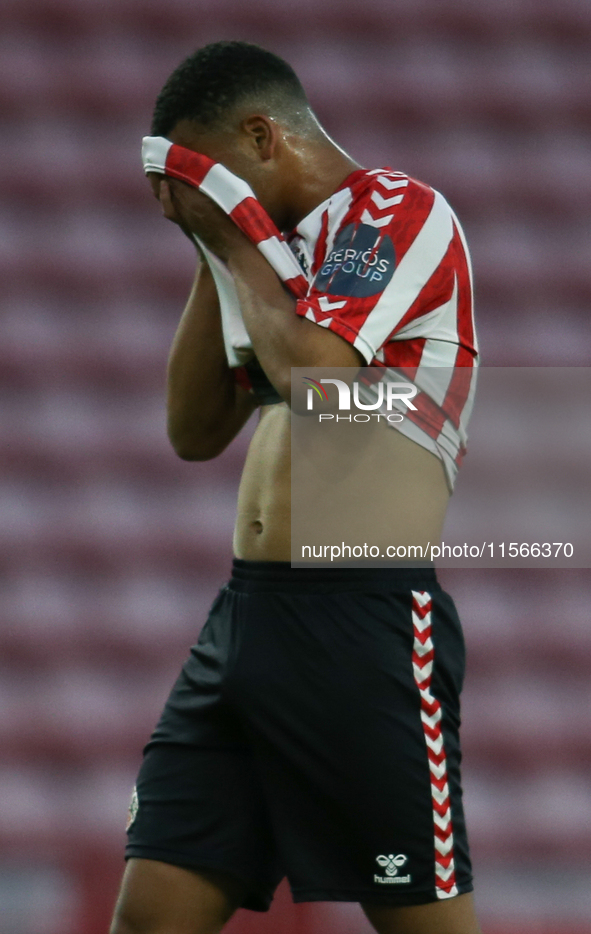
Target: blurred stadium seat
{"points": [[111, 548]]}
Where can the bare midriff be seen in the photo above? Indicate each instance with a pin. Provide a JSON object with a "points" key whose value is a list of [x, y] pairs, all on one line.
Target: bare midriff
{"points": [[409, 507], [263, 531]]}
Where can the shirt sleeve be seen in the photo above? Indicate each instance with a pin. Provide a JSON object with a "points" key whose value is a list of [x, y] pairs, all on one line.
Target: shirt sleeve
{"points": [[385, 265]]}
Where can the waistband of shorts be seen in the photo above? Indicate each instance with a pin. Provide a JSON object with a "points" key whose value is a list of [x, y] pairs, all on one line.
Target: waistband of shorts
{"points": [[260, 576]]}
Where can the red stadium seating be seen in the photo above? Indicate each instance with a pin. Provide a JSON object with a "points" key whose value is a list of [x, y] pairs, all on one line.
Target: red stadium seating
{"points": [[111, 548]]}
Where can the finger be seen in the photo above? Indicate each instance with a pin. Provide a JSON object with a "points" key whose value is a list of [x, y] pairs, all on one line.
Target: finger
{"points": [[170, 206], [155, 179], [165, 197]]}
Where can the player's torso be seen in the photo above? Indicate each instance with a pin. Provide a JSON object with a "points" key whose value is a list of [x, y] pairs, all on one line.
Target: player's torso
{"points": [[408, 509], [410, 500]]}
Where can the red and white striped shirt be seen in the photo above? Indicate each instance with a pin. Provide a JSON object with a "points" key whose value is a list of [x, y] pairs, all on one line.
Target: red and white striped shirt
{"points": [[390, 272], [385, 266]]}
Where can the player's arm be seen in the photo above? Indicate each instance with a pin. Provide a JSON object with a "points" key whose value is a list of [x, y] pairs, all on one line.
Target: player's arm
{"points": [[206, 408], [281, 339]]}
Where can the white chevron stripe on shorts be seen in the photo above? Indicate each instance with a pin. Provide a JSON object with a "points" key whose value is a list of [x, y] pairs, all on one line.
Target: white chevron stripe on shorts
{"points": [[443, 841]]}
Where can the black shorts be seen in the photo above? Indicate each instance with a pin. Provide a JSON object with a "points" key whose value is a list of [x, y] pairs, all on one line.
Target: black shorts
{"points": [[313, 733]]}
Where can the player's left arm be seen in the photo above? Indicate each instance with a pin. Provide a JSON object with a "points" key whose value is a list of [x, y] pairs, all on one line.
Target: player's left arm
{"points": [[281, 339]]}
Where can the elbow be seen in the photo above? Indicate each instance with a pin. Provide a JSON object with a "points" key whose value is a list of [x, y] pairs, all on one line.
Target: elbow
{"points": [[195, 452], [282, 385], [190, 448], [192, 454]]}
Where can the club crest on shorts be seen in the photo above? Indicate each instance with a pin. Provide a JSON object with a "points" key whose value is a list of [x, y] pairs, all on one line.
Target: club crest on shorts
{"points": [[133, 809], [392, 864]]}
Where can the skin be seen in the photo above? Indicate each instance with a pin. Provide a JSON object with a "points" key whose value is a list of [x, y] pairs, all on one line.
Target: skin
{"points": [[290, 173]]}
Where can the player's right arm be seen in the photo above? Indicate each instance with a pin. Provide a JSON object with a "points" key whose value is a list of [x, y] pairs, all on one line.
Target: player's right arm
{"points": [[206, 408]]}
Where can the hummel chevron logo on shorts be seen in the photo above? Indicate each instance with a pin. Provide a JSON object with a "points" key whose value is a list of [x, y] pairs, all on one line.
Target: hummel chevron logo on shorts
{"points": [[392, 864]]}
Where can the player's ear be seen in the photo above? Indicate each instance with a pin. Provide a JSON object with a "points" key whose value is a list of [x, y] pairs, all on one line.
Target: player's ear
{"points": [[263, 135]]}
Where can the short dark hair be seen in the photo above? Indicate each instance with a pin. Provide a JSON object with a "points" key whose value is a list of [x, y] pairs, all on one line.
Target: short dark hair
{"points": [[210, 82]]}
